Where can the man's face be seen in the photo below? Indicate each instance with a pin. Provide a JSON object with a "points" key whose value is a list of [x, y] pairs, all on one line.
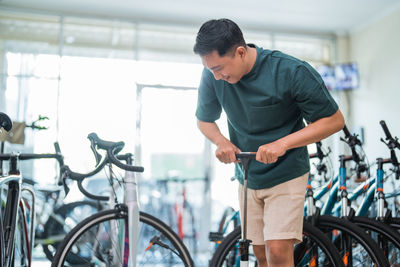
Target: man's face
{"points": [[229, 67]]}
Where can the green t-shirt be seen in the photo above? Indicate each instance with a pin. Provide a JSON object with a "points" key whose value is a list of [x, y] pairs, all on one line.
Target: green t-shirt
{"points": [[267, 104]]}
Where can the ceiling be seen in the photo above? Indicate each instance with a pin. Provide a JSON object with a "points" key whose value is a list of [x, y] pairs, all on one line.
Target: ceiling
{"points": [[306, 16]]}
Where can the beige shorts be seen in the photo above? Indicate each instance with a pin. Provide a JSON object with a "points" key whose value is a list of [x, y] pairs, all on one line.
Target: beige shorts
{"points": [[275, 213]]}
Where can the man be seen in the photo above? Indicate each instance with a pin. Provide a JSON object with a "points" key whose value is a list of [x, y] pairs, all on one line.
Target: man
{"points": [[266, 95]]}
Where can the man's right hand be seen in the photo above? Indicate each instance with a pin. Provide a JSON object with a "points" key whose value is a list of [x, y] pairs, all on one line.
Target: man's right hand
{"points": [[226, 151]]}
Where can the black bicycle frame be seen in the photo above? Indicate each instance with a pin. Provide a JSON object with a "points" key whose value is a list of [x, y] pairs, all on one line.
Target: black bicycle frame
{"points": [[7, 230]]}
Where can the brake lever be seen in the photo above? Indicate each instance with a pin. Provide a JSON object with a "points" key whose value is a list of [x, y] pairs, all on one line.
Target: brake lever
{"points": [[321, 168], [93, 146], [383, 141], [63, 180], [396, 142]]}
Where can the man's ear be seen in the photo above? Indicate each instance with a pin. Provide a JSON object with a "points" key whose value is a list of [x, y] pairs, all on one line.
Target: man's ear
{"points": [[241, 51]]}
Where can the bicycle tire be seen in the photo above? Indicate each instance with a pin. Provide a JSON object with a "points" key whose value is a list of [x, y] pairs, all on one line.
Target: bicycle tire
{"points": [[20, 256], [227, 252], [150, 228], [394, 222], [364, 250], [387, 238], [1, 238], [227, 212], [56, 227]]}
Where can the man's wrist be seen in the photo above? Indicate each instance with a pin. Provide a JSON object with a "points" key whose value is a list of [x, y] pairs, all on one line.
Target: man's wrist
{"points": [[285, 144], [220, 140]]}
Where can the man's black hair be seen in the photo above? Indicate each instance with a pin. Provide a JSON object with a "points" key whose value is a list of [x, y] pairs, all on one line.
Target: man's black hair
{"points": [[222, 35]]}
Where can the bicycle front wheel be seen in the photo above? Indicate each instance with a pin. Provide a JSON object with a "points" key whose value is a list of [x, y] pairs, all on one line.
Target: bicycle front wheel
{"points": [[99, 240], [387, 238], [21, 255], [355, 246], [314, 250]]}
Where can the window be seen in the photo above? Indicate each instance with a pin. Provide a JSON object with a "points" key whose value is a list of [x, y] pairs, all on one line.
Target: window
{"points": [[83, 73]]}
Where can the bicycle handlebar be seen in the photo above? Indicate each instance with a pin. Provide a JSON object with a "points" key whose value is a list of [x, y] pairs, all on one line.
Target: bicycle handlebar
{"points": [[90, 195], [115, 147], [352, 140], [346, 132], [28, 156], [112, 149], [385, 129], [319, 154], [78, 176], [246, 155], [58, 152], [393, 142]]}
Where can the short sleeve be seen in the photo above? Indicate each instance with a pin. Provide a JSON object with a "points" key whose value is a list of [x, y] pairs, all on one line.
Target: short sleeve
{"points": [[311, 94], [208, 107]]}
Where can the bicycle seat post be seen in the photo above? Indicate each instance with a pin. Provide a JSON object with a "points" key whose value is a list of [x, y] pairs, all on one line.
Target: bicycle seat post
{"points": [[245, 158]]}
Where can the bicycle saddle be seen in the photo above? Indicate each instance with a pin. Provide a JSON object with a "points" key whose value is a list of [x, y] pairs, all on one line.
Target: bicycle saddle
{"points": [[5, 122]]}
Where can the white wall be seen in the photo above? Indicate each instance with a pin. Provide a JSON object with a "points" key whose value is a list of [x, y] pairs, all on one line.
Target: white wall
{"points": [[376, 48]]}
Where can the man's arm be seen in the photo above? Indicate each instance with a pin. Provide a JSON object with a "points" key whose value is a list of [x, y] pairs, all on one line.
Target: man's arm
{"points": [[316, 131], [225, 149]]}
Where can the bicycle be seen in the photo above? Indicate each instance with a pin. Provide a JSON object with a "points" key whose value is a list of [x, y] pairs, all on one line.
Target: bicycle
{"points": [[122, 235], [234, 250], [343, 229], [53, 218], [386, 237], [384, 214], [15, 236], [356, 248]]}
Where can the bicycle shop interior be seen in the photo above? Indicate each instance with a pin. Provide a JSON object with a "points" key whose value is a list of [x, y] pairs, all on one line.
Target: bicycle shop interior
{"points": [[126, 71]]}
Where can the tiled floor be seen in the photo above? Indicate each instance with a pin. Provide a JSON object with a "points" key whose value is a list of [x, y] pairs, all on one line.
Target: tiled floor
{"points": [[40, 260], [41, 263]]}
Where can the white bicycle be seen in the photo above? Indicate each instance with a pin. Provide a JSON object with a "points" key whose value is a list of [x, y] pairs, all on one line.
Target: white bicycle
{"points": [[122, 235]]}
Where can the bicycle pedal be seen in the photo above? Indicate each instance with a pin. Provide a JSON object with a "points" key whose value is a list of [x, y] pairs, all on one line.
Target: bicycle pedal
{"points": [[215, 236]]}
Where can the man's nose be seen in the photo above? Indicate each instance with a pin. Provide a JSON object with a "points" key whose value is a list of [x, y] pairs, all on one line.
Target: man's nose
{"points": [[217, 75]]}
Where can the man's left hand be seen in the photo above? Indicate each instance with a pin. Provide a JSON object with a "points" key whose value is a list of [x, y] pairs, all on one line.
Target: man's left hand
{"points": [[269, 153]]}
